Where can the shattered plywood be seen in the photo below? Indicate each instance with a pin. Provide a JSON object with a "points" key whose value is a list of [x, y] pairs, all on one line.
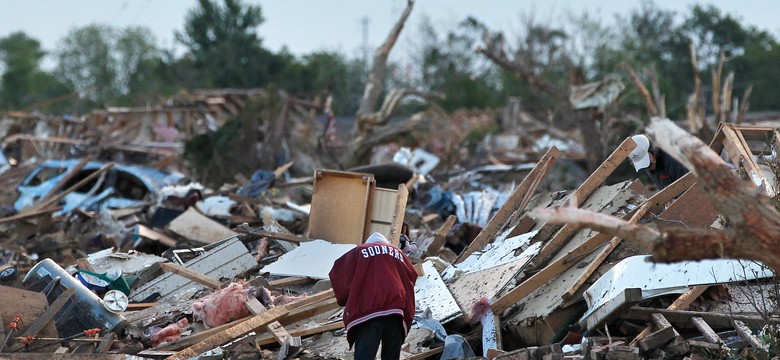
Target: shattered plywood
{"points": [[431, 293], [194, 226]]}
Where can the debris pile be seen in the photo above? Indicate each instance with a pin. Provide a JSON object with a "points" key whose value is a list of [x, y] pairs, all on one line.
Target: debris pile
{"points": [[100, 256]]}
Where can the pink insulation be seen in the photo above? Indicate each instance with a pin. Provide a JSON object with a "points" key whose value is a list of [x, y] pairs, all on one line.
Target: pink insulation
{"points": [[479, 309], [169, 333], [222, 306]]}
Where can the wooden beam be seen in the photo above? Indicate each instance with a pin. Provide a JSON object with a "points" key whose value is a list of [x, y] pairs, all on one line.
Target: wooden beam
{"points": [[710, 335], [244, 327], [191, 274], [64, 180], [557, 242], [628, 298], [76, 186], [184, 342], [682, 302], [27, 215], [516, 202], [105, 345], [309, 311], [439, 237], [684, 316], [274, 235], [268, 339], [47, 316], [288, 281], [278, 331], [747, 335], [425, 354], [399, 214]]}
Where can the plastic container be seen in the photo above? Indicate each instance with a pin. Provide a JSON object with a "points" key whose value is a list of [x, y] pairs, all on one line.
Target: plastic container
{"points": [[83, 311]]}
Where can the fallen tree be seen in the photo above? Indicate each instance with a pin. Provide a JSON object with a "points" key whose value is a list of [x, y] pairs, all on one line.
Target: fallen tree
{"points": [[754, 223]]}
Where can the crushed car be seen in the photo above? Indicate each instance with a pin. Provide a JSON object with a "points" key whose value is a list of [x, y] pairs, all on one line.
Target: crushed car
{"points": [[120, 187]]}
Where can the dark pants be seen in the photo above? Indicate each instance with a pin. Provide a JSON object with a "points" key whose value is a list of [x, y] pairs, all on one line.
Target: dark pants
{"points": [[389, 330]]}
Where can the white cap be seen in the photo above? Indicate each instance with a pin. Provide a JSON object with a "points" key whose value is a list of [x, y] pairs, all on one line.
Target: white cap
{"points": [[639, 156]]}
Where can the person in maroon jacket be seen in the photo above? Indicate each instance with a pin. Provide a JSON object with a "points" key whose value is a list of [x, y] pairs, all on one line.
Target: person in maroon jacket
{"points": [[375, 284]]}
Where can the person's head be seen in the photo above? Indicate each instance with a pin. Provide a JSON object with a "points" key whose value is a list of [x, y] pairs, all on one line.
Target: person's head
{"points": [[641, 157]]}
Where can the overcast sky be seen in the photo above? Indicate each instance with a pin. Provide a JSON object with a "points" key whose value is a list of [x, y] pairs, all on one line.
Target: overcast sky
{"points": [[308, 25]]}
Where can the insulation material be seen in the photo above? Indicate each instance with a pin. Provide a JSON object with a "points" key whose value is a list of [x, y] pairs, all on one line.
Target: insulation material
{"points": [[431, 293], [659, 279], [222, 306], [169, 333], [312, 259]]}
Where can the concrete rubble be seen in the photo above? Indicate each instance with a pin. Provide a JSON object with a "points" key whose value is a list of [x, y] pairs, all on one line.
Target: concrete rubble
{"points": [[104, 257]]}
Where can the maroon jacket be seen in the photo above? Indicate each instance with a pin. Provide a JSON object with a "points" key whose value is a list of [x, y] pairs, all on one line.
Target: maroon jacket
{"points": [[372, 280]]}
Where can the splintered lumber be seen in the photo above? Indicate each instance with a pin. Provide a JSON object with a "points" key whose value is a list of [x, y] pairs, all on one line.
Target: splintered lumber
{"points": [[565, 262], [47, 316], [288, 281], [244, 327], [105, 345], [627, 298], [278, 331], [516, 202], [684, 316], [305, 312], [705, 329], [755, 222], [425, 354], [150, 234], [275, 235], [556, 243], [196, 338], [64, 180], [682, 302], [402, 196], [747, 335], [30, 214], [269, 339], [191, 274], [438, 238]]}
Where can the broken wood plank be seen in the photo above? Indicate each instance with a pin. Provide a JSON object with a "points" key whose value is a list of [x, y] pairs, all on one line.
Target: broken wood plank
{"points": [[440, 236], [153, 235], [75, 187], [184, 342], [278, 331], [275, 235], [684, 317], [64, 180], [289, 281], [557, 242], [628, 298], [191, 274], [84, 264], [425, 354], [242, 328], [269, 339], [303, 313], [398, 215], [516, 202], [141, 306], [195, 226], [47, 316], [28, 215], [705, 329], [680, 303], [656, 339], [105, 345], [747, 335]]}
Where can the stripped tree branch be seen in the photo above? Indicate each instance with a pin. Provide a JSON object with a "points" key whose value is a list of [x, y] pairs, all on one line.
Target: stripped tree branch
{"points": [[652, 110]]}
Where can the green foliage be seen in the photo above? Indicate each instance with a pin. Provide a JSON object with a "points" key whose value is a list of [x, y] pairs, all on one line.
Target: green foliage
{"points": [[110, 66], [20, 56]]}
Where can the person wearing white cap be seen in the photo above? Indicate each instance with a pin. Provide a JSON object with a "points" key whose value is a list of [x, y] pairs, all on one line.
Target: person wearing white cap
{"points": [[657, 164]]}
